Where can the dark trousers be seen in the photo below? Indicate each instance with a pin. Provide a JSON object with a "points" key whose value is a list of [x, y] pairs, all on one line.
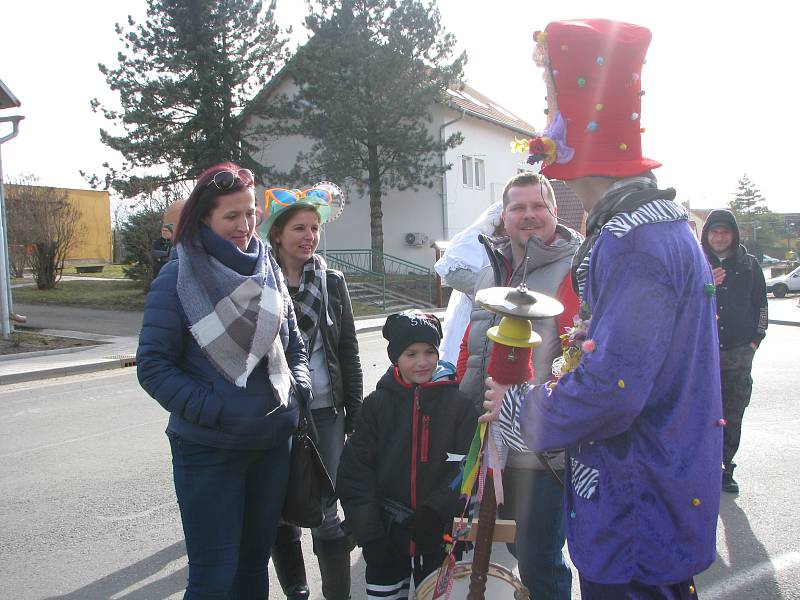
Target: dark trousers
{"points": [[391, 576], [637, 591], [736, 365], [535, 500], [230, 502]]}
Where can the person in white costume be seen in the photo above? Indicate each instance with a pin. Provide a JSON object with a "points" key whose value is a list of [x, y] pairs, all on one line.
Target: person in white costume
{"points": [[458, 268]]}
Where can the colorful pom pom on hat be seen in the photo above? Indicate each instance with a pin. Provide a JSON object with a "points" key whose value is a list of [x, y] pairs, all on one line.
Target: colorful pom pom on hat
{"points": [[593, 75]]}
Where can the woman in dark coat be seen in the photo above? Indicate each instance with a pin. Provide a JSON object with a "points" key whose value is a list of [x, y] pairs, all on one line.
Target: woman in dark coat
{"points": [[220, 350], [325, 318]]}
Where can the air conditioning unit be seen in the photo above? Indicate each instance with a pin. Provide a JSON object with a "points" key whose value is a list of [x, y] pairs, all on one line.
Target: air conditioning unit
{"points": [[416, 239]]}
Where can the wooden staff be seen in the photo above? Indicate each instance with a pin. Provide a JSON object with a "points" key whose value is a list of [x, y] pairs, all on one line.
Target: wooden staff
{"points": [[483, 541]]}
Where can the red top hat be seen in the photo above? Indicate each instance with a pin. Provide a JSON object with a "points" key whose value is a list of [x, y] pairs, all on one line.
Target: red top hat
{"points": [[594, 98]]}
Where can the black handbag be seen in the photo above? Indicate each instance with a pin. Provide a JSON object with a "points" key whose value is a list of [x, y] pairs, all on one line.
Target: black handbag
{"points": [[309, 483]]}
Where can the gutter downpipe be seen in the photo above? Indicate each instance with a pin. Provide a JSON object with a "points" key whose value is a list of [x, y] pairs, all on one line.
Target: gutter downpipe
{"points": [[5, 278], [445, 227]]}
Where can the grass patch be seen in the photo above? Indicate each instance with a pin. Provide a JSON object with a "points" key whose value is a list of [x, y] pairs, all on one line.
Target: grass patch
{"points": [[365, 310], [114, 295], [109, 272], [28, 341]]}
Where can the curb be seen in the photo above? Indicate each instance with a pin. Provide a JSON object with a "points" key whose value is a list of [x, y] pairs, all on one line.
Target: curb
{"points": [[123, 360], [35, 353], [789, 323], [105, 364]]}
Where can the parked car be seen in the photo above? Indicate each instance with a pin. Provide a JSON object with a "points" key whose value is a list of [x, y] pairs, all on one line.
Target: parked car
{"points": [[780, 286], [768, 260]]}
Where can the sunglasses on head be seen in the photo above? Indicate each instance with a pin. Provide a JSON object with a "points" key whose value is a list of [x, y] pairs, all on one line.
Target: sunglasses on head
{"points": [[225, 180], [313, 195]]}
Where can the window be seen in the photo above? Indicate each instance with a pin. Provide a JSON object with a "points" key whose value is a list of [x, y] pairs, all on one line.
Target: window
{"points": [[473, 172], [466, 171], [480, 179]]}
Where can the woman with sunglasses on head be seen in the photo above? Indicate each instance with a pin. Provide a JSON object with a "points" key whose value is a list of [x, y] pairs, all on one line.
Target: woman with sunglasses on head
{"points": [[220, 350], [325, 317]]}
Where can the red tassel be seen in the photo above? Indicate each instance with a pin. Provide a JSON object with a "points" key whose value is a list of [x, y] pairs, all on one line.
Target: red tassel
{"points": [[510, 365]]}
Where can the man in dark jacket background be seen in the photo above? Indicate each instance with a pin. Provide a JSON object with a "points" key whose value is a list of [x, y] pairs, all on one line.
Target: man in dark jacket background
{"points": [[161, 248], [742, 324]]}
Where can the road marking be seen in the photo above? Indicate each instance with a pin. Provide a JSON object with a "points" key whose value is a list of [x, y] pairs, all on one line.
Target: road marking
{"points": [[768, 568], [138, 515], [80, 439]]}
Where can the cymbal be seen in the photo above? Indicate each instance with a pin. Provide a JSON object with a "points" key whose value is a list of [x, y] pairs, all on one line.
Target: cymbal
{"points": [[518, 302]]}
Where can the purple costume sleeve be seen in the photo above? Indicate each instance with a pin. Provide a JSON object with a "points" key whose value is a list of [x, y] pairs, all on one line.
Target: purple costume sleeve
{"points": [[634, 308]]}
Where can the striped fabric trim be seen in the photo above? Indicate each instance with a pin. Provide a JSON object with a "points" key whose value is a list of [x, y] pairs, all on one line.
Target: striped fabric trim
{"points": [[657, 211], [582, 274], [509, 418], [584, 480], [393, 591]]}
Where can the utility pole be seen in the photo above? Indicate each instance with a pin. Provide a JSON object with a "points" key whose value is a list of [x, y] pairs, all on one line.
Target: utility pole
{"points": [[7, 100]]}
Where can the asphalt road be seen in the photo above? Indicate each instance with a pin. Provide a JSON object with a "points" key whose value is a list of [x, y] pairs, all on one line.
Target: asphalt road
{"points": [[88, 509], [75, 318]]}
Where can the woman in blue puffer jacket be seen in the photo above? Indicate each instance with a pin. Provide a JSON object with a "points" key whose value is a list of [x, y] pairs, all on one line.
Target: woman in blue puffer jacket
{"points": [[220, 350]]}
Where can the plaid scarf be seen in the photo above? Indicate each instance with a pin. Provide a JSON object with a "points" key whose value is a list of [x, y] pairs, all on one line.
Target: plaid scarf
{"points": [[624, 196], [311, 299], [235, 318]]}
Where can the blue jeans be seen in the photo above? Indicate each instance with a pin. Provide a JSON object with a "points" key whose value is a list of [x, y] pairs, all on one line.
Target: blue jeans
{"points": [[230, 502], [534, 499]]}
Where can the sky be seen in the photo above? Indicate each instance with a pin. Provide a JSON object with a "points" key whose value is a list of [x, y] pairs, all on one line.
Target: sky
{"points": [[721, 83]]}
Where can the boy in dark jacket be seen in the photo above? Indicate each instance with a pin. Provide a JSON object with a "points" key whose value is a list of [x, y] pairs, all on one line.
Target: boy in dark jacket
{"points": [[394, 476]]}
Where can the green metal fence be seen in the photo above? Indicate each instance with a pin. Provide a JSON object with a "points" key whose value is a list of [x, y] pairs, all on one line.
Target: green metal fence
{"points": [[356, 274], [396, 274]]}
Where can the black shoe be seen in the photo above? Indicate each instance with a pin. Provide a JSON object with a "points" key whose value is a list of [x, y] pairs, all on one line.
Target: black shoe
{"points": [[729, 484], [297, 591], [287, 559]]}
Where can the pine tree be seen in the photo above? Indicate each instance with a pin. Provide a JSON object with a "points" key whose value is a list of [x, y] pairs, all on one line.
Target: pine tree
{"points": [[747, 200], [759, 227], [366, 82], [183, 77]]}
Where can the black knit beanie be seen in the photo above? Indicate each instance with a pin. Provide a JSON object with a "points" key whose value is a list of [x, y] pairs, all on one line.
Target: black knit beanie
{"points": [[408, 327]]}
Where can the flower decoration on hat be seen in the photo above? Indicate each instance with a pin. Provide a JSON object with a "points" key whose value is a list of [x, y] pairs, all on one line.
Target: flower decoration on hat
{"points": [[548, 147], [541, 149]]}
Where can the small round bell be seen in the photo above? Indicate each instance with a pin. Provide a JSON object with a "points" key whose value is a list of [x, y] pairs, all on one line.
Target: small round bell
{"points": [[514, 332]]}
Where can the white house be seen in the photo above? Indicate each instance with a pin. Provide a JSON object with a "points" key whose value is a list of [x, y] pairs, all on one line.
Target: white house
{"points": [[412, 220]]}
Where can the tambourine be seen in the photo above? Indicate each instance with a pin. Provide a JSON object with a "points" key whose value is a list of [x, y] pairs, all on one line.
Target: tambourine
{"points": [[501, 584]]}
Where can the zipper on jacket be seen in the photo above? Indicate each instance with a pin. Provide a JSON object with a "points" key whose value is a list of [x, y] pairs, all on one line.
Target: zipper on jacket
{"points": [[414, 439], [426, 427], [414, 443]]}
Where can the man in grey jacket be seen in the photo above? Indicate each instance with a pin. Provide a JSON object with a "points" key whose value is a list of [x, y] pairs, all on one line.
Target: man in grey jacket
{"points": [[532, 481]]}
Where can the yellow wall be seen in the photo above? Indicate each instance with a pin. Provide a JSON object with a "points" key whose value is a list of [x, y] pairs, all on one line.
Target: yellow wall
{"points": [[94, 245], [95, 209]]}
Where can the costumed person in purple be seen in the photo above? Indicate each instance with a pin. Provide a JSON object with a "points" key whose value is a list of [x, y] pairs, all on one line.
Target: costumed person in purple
{"points": [[395, 474], [637, 404]]}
